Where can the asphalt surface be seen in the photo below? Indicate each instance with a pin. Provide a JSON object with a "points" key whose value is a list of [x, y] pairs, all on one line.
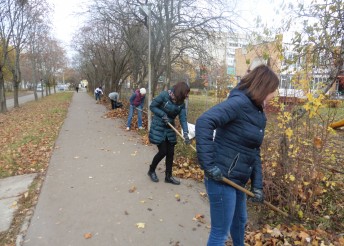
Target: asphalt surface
{"points": [[22, 100], [97, 191]]}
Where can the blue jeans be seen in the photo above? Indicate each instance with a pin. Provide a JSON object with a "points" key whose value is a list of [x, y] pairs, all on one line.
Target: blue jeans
{"points": [[97, 95], [139, 116], [227, 213]]}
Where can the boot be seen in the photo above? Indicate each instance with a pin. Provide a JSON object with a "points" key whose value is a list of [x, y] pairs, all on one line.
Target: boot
{"points": [[153, 176], [171, 180]]}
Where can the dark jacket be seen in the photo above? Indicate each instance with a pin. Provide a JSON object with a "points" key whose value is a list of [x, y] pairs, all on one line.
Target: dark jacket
{"points": [[160, 106], [137, 99], [240, 126]]}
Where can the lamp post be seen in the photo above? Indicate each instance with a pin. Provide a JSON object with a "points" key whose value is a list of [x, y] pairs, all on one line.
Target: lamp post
{"points": [[146, 10]]}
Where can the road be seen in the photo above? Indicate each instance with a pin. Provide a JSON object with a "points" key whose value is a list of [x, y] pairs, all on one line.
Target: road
{"points": [[22, 99]]}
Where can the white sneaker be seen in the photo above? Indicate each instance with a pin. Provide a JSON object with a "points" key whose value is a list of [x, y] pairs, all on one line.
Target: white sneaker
{"points": [[128, 129]]}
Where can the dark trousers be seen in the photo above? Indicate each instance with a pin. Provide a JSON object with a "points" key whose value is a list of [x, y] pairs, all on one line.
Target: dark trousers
{"points": [[166, 149], [113, 104]]}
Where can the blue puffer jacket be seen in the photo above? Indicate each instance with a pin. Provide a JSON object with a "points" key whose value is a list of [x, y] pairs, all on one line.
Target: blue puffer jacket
{"points": [[160, 106], [240, 126]]}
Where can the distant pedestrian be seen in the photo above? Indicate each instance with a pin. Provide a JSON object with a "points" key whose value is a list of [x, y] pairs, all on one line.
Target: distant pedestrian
{"points": [[166, 107], [136, 100], [98, 92], [234, 153], [77, 89], [114, 96]]}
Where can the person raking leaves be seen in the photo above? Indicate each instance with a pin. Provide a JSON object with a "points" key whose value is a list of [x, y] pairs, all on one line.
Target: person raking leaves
{"points": [[234, 152], [166, 107]]}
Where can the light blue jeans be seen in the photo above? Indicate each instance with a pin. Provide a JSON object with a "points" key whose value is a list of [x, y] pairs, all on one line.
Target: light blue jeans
{"points": [[227, 213], [139, 116]]}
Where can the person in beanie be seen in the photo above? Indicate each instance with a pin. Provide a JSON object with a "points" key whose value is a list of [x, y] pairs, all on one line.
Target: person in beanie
{"points": [[234, 153], [136, 100], [166, 107]]}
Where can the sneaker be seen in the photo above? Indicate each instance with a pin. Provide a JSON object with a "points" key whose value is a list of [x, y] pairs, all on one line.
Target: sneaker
{"points": [[128, 129]]}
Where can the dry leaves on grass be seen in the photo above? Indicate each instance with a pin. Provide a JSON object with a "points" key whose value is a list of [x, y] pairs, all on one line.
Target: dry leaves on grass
{"points": [[28, 134]]}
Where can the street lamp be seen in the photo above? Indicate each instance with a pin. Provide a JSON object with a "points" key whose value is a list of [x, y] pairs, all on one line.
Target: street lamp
{"points": [[146, 10]]}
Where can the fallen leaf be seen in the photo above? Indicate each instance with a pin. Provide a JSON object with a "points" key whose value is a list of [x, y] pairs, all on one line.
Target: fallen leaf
{"points": [[203, 194], [87, 235], [317, 142], [132, 189], [276, 233], [177, 196], [140, 225]]}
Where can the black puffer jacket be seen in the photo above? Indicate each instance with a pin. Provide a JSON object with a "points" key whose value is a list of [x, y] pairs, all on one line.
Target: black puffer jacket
{"points": [[239, 126], [160, 106]]}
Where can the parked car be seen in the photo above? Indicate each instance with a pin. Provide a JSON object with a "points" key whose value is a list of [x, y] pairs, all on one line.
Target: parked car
{"points": [[39, 88], [62, 87]]}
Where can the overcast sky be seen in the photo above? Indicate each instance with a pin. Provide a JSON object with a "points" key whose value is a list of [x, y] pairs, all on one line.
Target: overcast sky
{"points": [[66, 22]]}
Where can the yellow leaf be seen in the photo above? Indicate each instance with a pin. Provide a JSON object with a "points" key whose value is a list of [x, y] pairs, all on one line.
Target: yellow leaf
{"points": [[292, 177], [289, 132], [140, 225], [87, 235], [177, 196], [300, 213]]}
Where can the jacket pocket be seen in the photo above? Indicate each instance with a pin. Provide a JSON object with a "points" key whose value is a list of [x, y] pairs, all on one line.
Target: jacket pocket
{"points": [[233, 164], [240, 169]]}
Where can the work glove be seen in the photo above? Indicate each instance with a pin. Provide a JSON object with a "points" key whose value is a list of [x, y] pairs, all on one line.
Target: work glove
{"points": [[214, 173], [186, 138], [258, 195], [165, 119]]}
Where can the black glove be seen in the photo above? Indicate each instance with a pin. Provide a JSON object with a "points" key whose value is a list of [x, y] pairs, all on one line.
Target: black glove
{"points": [[214, 173], [165, 119], [186, 138], [258, 195]]}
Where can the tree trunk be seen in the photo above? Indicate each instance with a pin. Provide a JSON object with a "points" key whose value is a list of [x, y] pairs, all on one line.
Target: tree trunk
{"points": [[3, 107]]}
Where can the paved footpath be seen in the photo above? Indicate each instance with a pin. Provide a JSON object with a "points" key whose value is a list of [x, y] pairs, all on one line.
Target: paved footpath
{"points": [[97, 183]]}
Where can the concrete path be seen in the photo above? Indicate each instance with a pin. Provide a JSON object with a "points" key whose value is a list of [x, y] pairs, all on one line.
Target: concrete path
{"points": [[97, 191], [11, 189]]}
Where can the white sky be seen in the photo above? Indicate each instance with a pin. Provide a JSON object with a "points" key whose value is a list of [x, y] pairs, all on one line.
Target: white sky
{"points": [[66, 22]]}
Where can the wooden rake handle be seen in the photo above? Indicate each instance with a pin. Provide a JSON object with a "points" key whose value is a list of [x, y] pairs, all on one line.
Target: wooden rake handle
{"points": [[249, 193], [180, 135], [231, 183]]}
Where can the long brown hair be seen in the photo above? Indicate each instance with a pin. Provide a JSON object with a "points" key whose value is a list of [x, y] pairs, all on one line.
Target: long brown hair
{"points": [[259, 83], [181, 91]]}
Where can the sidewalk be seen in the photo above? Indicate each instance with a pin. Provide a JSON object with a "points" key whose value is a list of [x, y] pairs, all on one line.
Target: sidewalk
{"points": [[97, 183]]}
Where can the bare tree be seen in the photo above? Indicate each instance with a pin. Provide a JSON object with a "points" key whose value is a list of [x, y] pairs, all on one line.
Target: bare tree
{"points": [[179, 28]]}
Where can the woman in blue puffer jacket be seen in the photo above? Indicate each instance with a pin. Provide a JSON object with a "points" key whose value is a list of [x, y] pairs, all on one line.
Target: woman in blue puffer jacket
{"points": [[234, 153], [166, 107]]}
